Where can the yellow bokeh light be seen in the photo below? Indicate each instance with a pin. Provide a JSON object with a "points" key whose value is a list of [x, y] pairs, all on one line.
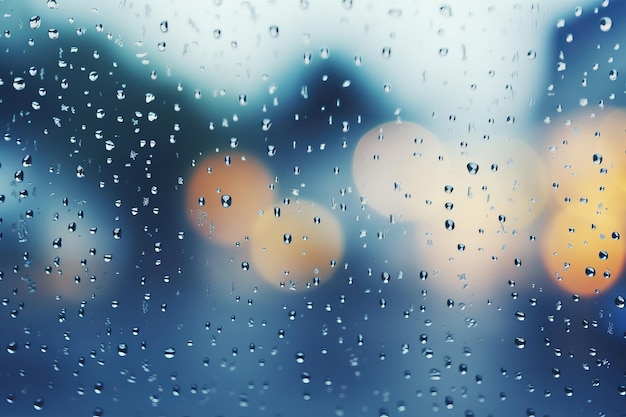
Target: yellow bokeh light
{"points": [[299, 242], [400, 169], [583, 254], [224, 196], [586, 156]]}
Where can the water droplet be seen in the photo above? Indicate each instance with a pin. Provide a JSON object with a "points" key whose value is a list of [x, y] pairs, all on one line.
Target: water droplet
{"points": [[386, 52], [472, 168], [606, 23], [325, 53], [53, 33], [161, 46], [35, 22], [619, 301], [273, 31], [227, 201], [169, 353], [299, 357], [520, 315], [305, 377], [520, 342], [449, 224], [19, 83], [38, 404], [532, 54], [287, 238], [245, 266], [122, 349], [358, 60], [443, 51], [590, 271], [164, 26]]}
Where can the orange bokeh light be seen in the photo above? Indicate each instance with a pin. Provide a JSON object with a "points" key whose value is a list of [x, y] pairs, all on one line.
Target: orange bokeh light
{"points": [[224, 196]]}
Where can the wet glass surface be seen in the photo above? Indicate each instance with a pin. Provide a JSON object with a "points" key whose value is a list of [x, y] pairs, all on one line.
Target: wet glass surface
{"points": [[316, 208]]}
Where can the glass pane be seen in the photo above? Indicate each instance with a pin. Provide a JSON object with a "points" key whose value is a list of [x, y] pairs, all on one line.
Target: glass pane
{"points": [[316, 208]]}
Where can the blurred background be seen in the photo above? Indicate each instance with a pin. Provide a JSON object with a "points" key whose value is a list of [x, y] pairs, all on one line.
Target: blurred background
{"points": [[334, 207]]}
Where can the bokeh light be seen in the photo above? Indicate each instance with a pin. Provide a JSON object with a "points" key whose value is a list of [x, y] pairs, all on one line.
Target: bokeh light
{"points": [[400, 169], [296, 244], [583, 254], [224, 195]]}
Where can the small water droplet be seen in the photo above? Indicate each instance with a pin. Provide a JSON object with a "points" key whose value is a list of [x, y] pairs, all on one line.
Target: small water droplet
{"points": [[273, 31], [169, 353], [590, 271], [19, 83], [606, 23], [613, 75], [449, 224], [35, 22], [520, 342], [226, 200], [287, 238], [386, 52], [325, 53], [472, 168], [620, 301], [38, 404], [164, 26]]}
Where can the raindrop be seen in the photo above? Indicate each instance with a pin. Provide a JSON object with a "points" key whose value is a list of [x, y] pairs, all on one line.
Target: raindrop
{"points": [[287, 238], [273, 31], [35, 22], [245, 266], [520, 342], [619, 301], [169, 353], [38, 404], [590, 271], [443, 51], [386, 52], [325, 53], [603, 255], [93, 76], [122, 349], [597, 158], [53, 33], [449, 224], [27, 161], [613, 75], [605, 24], [472, 168], [164, 26], [520, 315], [243, 99], [19, 83]]}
